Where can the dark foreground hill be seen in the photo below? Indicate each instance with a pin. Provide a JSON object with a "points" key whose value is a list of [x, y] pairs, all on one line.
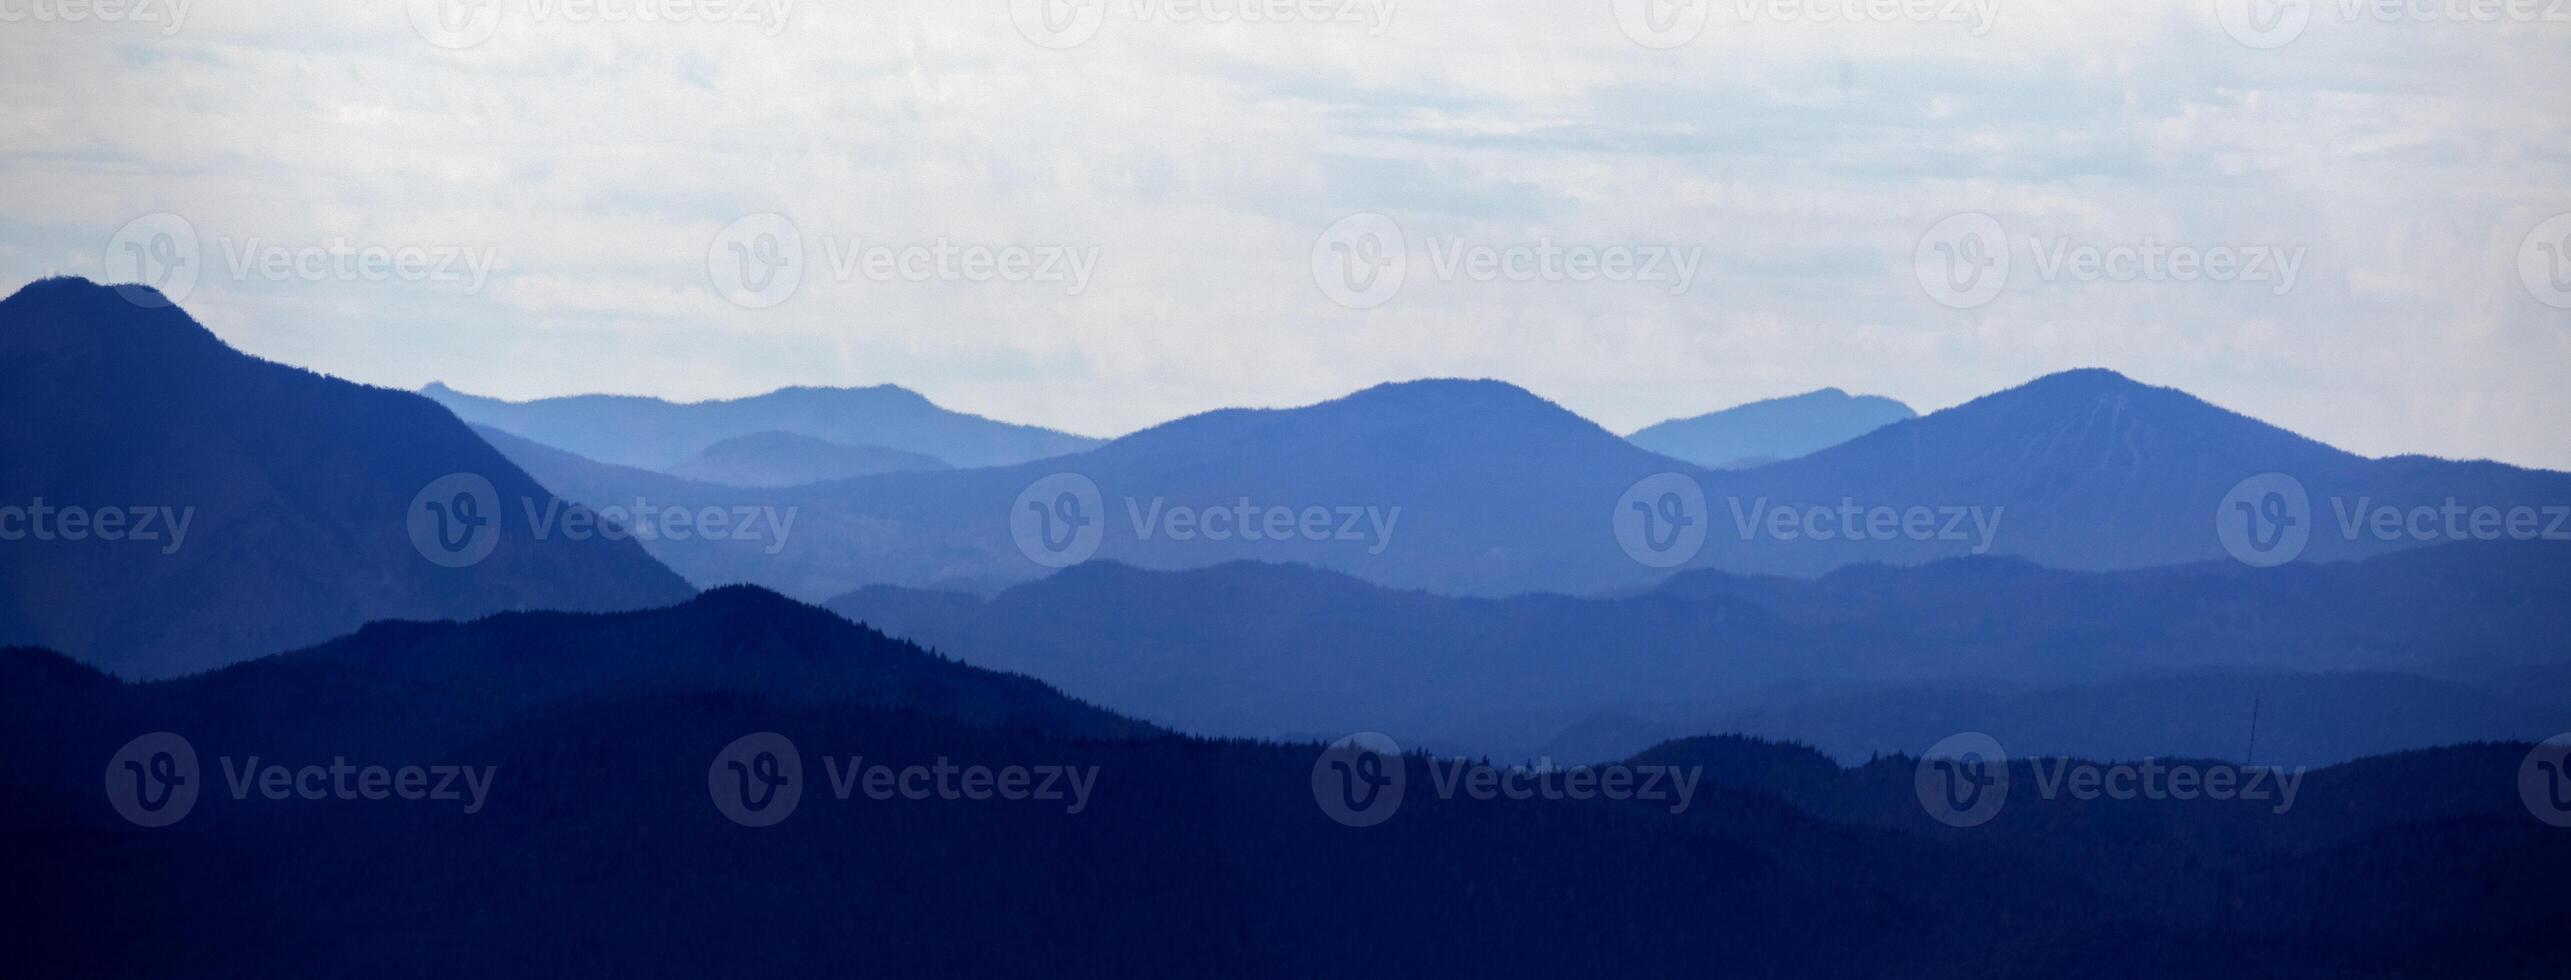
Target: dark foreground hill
{"points": [[598, 843], [278, 502]]}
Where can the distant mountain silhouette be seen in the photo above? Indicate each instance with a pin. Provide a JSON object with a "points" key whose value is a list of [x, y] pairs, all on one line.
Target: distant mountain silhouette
{"points": [[1776, 429], [1475, 487], [785, 459], [296, 489], [601, 845], [653, 434], [1501, 493], [2414, 648], [2090, 470]]}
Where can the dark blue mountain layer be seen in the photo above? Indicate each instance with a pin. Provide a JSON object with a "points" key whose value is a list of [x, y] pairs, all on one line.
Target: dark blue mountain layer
{"points": [[2415, 648], [295, 489]]}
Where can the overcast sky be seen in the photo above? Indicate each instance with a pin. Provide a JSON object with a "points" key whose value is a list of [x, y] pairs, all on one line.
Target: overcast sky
{"points": [[2329, 217]]}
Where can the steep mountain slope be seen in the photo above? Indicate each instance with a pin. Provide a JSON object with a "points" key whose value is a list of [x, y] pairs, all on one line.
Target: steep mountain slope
{"points": [[653, 434], [784, 459], [295, 493], [1776, 429]]}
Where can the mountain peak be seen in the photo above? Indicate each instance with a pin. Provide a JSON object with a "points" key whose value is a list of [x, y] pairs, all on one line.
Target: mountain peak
{"points": [[1448, 390], [2088, 378], [70, 310], [1773, 429]]}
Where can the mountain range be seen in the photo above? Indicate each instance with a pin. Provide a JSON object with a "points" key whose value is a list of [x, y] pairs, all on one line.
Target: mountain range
{"points": [[1480, 488], [279, 502], [2414, 648], [1768, 431]]}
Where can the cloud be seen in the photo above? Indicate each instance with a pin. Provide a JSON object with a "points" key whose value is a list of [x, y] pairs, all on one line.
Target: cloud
{"points": [[599, 159]]}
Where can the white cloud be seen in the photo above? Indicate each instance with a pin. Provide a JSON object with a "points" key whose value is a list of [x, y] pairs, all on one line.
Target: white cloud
{"points": [[599, 160]]}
